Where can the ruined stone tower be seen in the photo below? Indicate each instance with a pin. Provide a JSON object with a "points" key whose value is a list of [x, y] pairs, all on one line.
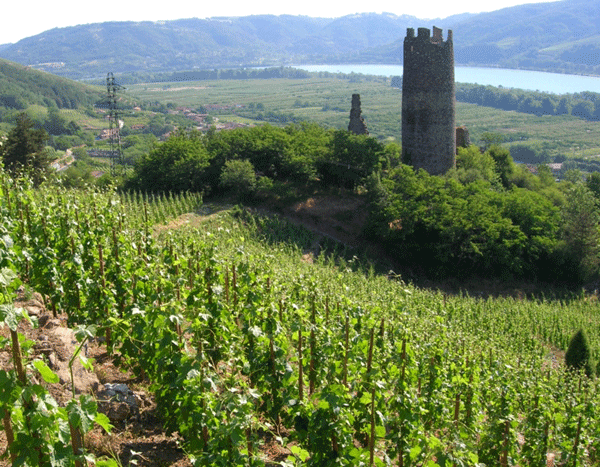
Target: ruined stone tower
{"points": [[428, 95], [357, 123]]}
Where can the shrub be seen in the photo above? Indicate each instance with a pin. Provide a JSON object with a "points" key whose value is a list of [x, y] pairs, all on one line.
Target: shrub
{"points": [[238, 175], [578, 354]]}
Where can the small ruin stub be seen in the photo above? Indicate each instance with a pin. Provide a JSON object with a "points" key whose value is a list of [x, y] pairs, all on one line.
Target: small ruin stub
{"points": [[428, 96], [463, 140], [357, 123]]}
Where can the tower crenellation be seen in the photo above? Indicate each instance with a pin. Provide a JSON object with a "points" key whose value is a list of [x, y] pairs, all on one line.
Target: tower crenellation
{"points": [[428, 101]]}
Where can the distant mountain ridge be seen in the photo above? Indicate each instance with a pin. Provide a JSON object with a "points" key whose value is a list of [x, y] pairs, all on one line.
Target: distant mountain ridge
{"points": [[558, 36]]}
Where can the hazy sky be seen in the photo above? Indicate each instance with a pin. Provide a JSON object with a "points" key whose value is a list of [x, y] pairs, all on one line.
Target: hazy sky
{"points": [[24, 18]]}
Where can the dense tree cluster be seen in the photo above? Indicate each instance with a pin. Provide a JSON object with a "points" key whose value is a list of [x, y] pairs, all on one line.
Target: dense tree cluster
{"points": [[584, 105], [448, 228], [296, 153], [487, 217]]}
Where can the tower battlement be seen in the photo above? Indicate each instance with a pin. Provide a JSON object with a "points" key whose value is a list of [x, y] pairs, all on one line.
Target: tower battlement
{"points": [[428, 95]]}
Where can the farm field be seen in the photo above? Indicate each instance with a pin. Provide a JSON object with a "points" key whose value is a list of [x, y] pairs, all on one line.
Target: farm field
{"points": [[242, 341], [327, 102]]}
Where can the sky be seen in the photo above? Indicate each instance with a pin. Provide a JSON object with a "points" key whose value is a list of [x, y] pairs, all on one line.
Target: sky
{"points": [[25, 18]]}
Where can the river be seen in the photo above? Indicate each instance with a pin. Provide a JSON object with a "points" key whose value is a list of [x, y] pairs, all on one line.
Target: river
{"points": [[556, 83]]}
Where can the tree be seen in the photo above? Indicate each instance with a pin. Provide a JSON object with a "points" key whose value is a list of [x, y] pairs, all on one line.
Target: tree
{"points": [[505, 166], [55, 123], [593, 183], [24, 151], [584, 109], [578, 354], [178, 164], [472, 165], [580, 229], [351, 159], [490, 139], [239, 176], [564, 107]]}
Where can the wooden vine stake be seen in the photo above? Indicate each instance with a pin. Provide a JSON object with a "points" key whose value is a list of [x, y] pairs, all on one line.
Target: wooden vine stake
{"points": [[312, 370], [403, 371], [17, 359], [76, 443], [469, 399], [18, 363], [281, 310], [345, 366], [249, 443], [370, 356], [456, 409], [234, 285], [576, 443], [300, 373], [103, 282], [504, 458], [10, 437], [372, 437], [22, 377], [227, 285]]}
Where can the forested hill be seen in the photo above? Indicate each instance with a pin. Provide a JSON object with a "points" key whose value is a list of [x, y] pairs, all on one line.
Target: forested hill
{"points": [[21, 86], [558, 36], [92, 50], [561, 36]]}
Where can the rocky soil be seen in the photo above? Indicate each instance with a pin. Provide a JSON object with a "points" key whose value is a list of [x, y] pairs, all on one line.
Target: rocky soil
{"points": [[137, 434]]}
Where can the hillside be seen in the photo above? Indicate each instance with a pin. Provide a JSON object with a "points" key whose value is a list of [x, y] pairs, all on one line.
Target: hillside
{"points": [[92, 49], [546, 36], [559, 36], [20, 86], [241, 351]]}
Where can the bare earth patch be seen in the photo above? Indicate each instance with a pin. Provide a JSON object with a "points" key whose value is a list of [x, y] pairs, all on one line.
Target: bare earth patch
{"points": [[340, 218], [140, 437]]}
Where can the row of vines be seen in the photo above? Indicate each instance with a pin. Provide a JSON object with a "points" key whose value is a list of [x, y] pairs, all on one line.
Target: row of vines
{"points": [[242, 342]]}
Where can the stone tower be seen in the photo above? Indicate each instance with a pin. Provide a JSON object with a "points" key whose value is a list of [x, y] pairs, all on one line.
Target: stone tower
{"points": [[428, 95], [357, 123]]}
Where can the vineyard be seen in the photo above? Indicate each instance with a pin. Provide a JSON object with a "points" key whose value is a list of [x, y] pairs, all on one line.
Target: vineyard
{"points": [[239, 339]]}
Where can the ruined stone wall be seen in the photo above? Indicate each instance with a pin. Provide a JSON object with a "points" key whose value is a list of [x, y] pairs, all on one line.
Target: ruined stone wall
{"points": [[428, 101], [357, 123], [463, 140]]}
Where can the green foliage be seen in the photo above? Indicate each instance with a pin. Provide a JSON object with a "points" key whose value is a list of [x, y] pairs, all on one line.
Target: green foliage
{"points": [[581, 105], [581, 237], [297, 153], [462, 229], [577, 356], [351, 159], [504, 166], [21, 87], [24, 150], [593, 184], [491, 139], [531, 153], [178, 164], [238, 176], [472, 165], [38, 430]]}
